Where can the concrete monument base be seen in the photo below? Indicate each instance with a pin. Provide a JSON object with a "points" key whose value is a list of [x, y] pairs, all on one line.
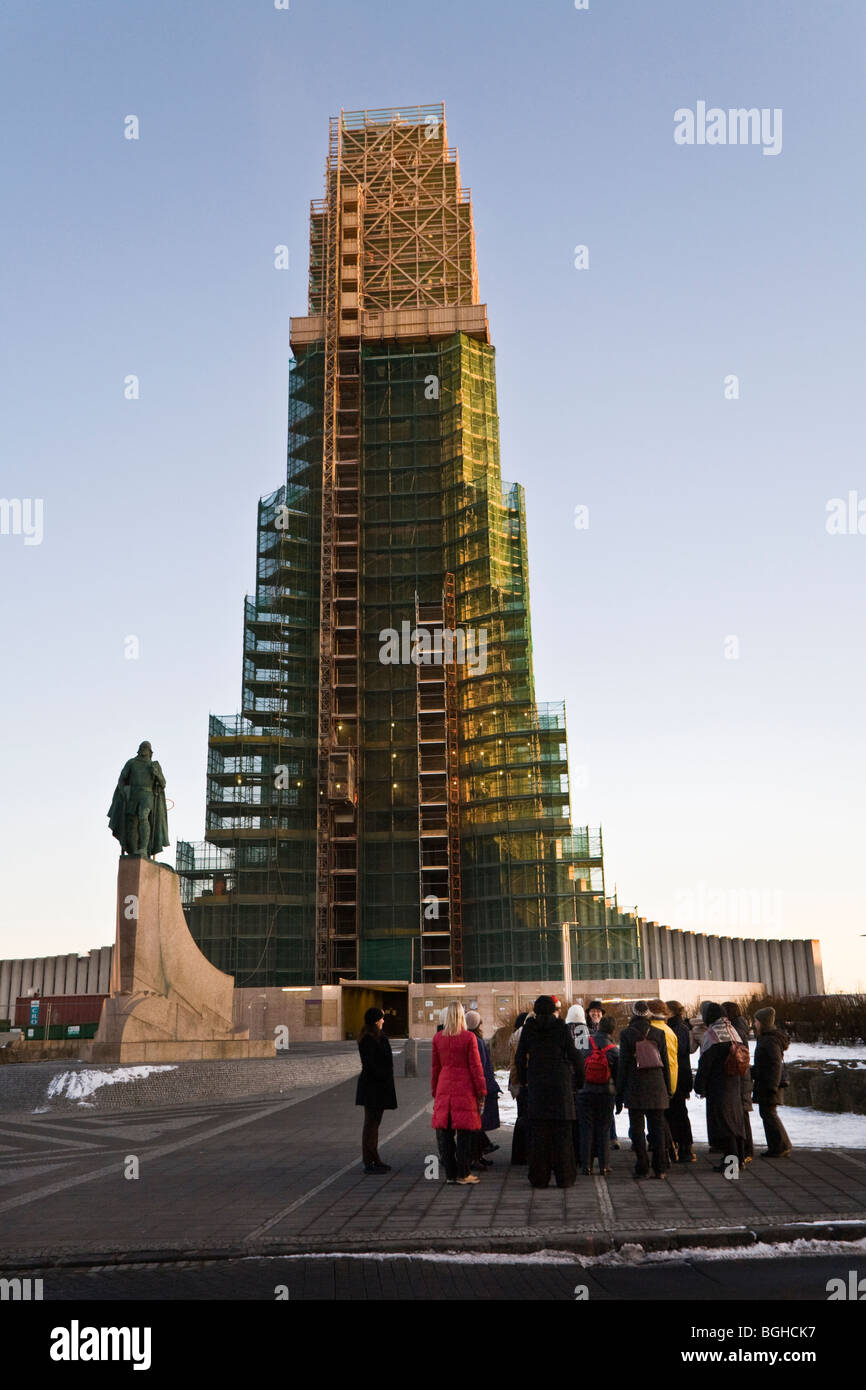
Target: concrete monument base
{"points": [[167, 1001]]}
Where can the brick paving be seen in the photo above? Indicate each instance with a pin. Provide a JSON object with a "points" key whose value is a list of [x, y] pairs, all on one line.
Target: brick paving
{"points": [[276, 1173]]}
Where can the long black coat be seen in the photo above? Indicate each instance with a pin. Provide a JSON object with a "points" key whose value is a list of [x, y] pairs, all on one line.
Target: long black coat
{"points": [[725, 1117], [546, 1061], [741, 1027], [683, 1033], [650, 1088], [768, 1066], [376, 1082], [490, 1113]]}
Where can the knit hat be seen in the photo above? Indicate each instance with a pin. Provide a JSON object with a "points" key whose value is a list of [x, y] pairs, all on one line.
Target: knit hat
{"points": [[575, 1014], [596, 1004], [473, 1018], [640, 1007], [766, 1017], [607, 1024], [658, 1008], [544, 1004], [711, 1012]]}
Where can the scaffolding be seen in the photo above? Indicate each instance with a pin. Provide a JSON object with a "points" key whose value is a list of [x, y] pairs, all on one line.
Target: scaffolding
{"points": [[351, 786]]}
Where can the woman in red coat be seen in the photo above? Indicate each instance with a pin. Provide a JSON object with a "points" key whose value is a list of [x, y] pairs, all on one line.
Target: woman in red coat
{"points": [[459, 1090]]}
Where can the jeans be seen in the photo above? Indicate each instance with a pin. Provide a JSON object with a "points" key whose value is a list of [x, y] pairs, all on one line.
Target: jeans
{"points": [[655, 1122], [455, 1151], [596, 1110]]}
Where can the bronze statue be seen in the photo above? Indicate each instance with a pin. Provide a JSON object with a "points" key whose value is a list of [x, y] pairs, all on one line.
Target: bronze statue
{"points": [[138, 816]]}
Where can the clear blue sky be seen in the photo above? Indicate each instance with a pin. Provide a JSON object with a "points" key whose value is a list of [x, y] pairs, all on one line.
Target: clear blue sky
{"points": [[713, 778]]}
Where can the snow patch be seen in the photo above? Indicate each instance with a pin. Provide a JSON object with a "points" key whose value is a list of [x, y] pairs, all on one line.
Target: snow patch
{"points": [[78, 1085], [627, 1255], [635, 1254], [807, 1128]]}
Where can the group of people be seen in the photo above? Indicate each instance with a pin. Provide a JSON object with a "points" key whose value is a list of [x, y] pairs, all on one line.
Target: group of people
{"points": [[570, 1076]]}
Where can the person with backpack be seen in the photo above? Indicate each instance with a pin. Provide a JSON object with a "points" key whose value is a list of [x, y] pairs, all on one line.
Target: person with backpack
{"points": [[769, 1077], [734, 1015], [594, 1015], [678, 1110], [596, 1098], [643, 1086], [724, 1061]]}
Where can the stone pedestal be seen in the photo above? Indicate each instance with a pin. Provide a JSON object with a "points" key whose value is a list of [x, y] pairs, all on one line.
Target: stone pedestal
{"points": [[167, 1001]]}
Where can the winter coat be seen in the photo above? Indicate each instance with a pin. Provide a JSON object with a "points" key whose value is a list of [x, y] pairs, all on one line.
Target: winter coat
{"points": [[546, 1061], [600, 1088], [490, 1113], [673, 1049], [457, 1081], [513, 1081], [768, 1068], [376, 1082], [741, 1027], [650, 1088], [723, 1093], [683, 1035], [685, 1047]]}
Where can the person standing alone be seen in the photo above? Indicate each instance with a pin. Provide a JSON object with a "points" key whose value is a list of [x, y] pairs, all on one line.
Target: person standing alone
{"points": [[375, 1089]]}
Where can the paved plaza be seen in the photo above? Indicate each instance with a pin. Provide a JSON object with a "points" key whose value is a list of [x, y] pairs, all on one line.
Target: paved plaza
{"points": [[281, 1174]]}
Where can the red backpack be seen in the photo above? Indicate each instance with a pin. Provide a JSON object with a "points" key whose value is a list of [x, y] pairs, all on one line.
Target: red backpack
{"points": [[597, 1068]]}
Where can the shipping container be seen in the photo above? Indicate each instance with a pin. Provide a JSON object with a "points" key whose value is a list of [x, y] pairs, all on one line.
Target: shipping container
{"points": [[58, 1009]]}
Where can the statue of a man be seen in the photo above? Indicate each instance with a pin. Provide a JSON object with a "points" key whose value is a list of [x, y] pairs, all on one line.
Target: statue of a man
{"points": [[138, 816]]}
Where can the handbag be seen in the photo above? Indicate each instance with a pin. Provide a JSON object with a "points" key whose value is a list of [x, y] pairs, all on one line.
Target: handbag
{"points": [[646, 1055]]}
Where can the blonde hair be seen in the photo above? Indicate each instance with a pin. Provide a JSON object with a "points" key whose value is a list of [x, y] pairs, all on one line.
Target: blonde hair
{"points": [[455, 1018]]}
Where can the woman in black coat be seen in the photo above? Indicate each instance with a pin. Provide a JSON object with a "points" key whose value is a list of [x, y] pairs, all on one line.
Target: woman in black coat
{"points": [[375, 1089], [483, 1144], [678, 1110], [723, 1092], [545, 1062], [740, 1026], [518, 1092], [644, 1091]]}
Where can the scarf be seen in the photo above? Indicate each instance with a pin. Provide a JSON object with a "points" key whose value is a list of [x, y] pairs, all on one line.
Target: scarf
{"points": [[720, 1032]]}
